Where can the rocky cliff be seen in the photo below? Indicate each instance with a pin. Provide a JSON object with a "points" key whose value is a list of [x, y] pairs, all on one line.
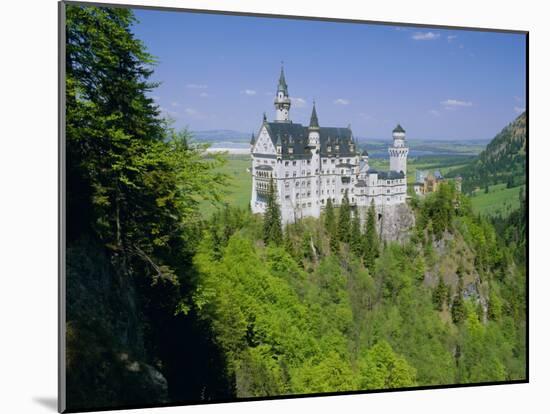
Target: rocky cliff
{"points": [[395, 222]]}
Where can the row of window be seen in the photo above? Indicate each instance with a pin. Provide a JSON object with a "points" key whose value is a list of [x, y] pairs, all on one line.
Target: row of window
{"points": [[263, 174]]}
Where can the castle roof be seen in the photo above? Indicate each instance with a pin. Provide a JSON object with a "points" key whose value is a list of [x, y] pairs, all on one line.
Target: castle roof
{"points": [[399, 128], [282, 87], [391, 175], [387, 175], [252, 140], [314, 121], [295, 136]]}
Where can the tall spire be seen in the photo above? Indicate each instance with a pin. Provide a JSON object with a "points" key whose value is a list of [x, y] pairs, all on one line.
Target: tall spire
{"points": [[282, 100], [314, 121], [282, 82]]}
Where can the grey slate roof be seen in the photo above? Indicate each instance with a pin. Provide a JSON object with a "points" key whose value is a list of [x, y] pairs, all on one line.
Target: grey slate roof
{"points": [[390, 175], [361, 183], [336, 136], [282, 83], [295, 136], [314, 121], [398, 128]]}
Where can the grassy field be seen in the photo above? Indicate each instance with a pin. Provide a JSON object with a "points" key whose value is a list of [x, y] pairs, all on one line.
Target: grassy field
{"points": [[499, 200], [240, 184]]}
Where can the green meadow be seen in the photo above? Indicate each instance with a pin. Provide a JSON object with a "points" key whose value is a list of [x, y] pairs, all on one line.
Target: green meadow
{"points": [[238, 191], [498, 201]]}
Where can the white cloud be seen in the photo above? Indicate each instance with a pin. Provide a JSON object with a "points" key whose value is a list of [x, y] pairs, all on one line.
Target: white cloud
{"points": [[193, 113], [455, 103], [434, 112], [298, 102], [341, 101], [519, 109], [249, 92], [196, 86], [168, 112], [425, 36], [203, 95], [450, 38]]}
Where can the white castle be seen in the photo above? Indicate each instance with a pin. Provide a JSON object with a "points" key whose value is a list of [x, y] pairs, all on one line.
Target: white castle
{"points": [[310, 164]]}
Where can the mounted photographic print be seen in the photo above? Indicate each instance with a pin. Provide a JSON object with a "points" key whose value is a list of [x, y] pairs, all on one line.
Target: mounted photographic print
{"points": [[259, 206]]}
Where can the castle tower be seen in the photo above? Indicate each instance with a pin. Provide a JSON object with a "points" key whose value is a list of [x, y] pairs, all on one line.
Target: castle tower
{"points": [[314, 139], [398, 151], [282, 100]]}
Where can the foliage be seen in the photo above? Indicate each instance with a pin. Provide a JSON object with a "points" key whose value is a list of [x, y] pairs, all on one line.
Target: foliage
{"points": [[371, 241], [344, 219], [273, 232]]}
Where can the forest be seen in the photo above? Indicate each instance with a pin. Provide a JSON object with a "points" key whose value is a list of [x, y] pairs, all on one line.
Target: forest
{"points": [[167, 305]]}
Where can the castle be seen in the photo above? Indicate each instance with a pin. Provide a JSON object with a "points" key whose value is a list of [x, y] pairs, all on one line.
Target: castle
{"points": [[311, 164]]}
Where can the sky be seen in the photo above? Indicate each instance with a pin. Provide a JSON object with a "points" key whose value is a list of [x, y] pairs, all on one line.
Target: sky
{"points": [[221, 72]]}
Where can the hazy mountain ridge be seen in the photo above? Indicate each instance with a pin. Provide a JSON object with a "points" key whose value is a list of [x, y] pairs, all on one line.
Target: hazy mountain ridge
{"points": [[375, 147]]}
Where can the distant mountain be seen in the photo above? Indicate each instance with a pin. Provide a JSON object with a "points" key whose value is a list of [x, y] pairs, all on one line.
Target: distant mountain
{"points": [[379, 148], [503, 160], [221, 135]]}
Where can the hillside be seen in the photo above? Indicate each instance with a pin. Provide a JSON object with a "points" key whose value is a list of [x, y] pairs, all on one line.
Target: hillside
{"points": [[318, 312], [502, 161]]}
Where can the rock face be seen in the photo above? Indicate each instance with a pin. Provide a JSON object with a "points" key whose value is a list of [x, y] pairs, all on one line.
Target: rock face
{"points": [[108, 364], [395, 222]]}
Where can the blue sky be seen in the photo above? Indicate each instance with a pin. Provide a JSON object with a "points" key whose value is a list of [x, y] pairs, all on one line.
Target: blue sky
{"points": [[221, 72]]}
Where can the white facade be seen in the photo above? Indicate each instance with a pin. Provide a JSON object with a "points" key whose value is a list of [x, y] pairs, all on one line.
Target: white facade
{"points": [[310, 164]]}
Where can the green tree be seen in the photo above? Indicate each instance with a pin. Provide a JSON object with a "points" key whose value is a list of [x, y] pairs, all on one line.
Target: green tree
{"points": [[458, 310], [356, 242], [439, 294], [330, 219], [273, 232], [381, 368], [371, 247], [133, 185], [344, 219]]}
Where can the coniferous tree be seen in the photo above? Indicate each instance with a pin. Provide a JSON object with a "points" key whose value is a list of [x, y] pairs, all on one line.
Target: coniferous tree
{"points": [[334, 244], [371, 241], [330, 219], [273, 232], [439, 294], [344, 220], [287, 241], [459, 309], [356, 243], [133, 186]]}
